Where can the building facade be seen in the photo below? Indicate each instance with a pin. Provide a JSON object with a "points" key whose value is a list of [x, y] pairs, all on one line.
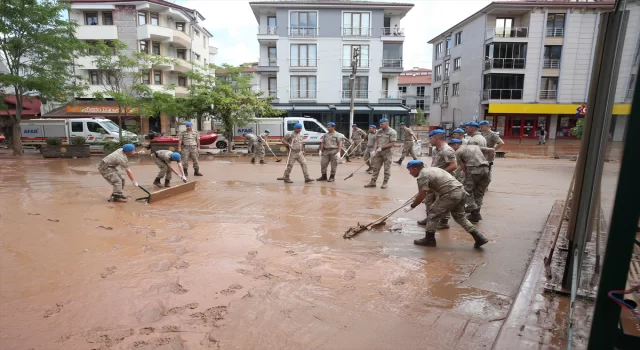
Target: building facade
{"points": [[414, 88], [525, 65], [306, 49]]}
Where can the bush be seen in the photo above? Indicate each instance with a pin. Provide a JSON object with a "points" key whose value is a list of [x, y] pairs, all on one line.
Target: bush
{"points": [[54, 141], [420, 119], [579, 129], [110, 147], [78, 140]]}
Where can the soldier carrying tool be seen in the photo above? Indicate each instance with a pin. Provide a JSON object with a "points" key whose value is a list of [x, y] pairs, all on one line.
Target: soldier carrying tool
{"points": [[295, 142], [371, 140], [382, 153], [108, 168], [189, 146], [162, 158], [409, 139], [330, 149], [357, 137]]}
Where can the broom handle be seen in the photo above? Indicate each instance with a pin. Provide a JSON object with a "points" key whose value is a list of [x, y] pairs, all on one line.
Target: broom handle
{"points": [[382, 218]]}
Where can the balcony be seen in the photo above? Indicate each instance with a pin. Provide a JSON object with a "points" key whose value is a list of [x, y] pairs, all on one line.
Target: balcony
{"points": [[181, 38], [96, 32], [306, 64], [356, 32], [304, 95], [502, 94], [437, 77], [392, 34], [507, 34], [387, 96], [267, 34], [362, 64], [445, 101], [156, 33], [181, 91], [630, 93], [445, 76], [180, 65], [548, 94], [504, 63], [357, 95], [391, 65], [303, 32], [439, 55], [86, 62], [551, 63], [555, 32], [268, 65]]}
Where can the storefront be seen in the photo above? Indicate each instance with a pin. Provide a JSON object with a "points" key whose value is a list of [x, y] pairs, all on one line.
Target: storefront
{"points": [[525, 126]]}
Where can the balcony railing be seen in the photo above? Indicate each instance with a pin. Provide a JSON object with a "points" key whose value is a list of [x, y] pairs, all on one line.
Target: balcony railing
{"points": [[447, 52], [392, 31], [551, 63], [548, 94], [268, 30], [437, 77], [392, 94], [303, 94], [508, 32], [273, 93], [303, 32], [505, 63], [555, 31], [502, 94], [630, 93], [346, 62], [273, 61], [445, 100], [358, 32], [439, 55], [357, 94], [303, 62], [445, 76], [392, 63]]}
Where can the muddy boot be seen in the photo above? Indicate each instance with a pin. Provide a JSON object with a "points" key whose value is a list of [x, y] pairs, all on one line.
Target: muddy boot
{"points": [[422, 222], [287, 180], [384, 184], [283, 178], [196, 172], [322, 178], [443, 224], [166, 183], [186, 173], [157, 182], [332, 178], [369, 170], [347, 158], [399, 161], [253, 161], [478, 238], [262, 162], [371, 184], [474, 216], [308, 180], [429, 240]]}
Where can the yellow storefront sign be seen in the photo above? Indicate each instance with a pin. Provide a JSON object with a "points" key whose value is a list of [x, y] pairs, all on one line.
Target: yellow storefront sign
{"points": [[542, 108], [99, 109]]}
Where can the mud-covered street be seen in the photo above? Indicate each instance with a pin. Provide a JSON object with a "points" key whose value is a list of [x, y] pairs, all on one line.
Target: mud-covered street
{"points": [[248, 262]]}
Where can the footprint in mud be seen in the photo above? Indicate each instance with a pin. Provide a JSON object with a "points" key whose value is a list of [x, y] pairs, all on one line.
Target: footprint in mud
{"points": [[180, 309], [151, 234], [33, 214], [243, 271], [180, 264], [398, 282], [160, 266], [209, 341], [210, 317], [311, 263], [111, 337], [175, 239], [251, 255], [108, 271], [235, 286], [53, 220], [264, 276], [349, 275], [54, 310], [147, 248], [170, 328], [165, 288], [228, 291], [115, 248], [146, 330], [108, 228], [173, 343], [180, 251]]}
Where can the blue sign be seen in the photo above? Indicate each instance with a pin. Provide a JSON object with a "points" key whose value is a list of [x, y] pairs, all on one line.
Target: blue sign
{"points": [[31, 131], [245, 131]]}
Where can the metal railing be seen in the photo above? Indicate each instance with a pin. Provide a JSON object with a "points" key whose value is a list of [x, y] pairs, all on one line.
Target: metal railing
{"points": [[555, 31], [392, 94], [392, 31], [273, 93], [357, 94], [505, 63], [346, 62], [445, 76], [551, 63], [268, 62], [447, 52], [439, 55], [303, 94], [303, 32], [507, 32], [445, 100], [303, 62], [502, 94], [268, 30], [392, 63], [548, 94], [630, 93], [359, 32], [437, 77]]}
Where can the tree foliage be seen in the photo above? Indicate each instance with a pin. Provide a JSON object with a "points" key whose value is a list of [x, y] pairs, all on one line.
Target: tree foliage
{"points": [[578, 129], [38, 48], [420, 119]]}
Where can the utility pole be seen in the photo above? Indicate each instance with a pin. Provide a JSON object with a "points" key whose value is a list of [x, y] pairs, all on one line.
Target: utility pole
{"points": [[352, 78]]}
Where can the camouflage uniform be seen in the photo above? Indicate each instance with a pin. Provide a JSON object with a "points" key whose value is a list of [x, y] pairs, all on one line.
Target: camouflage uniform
{"points": [[296, 142], [357, 137], [252, 140], [190, 149], [108, 168], [477, 139], [476, 177], [331, 142], [383, 137], [371, 140], [162, 158], [258, 149], [407, 149], [493, 138], [441, 157]]}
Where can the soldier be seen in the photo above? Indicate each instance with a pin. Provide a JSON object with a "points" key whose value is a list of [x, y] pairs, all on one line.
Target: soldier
{"points": [[190, 139], [382, 154], [259, 146], [162, 158], [493, 140], [475, 137], [371, 140], [295, 141], [475, 166], [407, 149], [330, 149], [357, 137], [458, 133], [108, 168], [449, 197], [252, 141]]}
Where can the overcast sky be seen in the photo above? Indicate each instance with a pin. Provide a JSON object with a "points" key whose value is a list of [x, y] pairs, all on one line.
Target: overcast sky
{"points": [[234, 27]]}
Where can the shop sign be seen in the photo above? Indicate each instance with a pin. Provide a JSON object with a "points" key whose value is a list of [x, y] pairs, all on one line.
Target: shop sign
{"points": [[100, 109], [581, 111]]}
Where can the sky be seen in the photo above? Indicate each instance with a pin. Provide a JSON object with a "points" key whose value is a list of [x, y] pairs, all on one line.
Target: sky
{"points": [[234, 27]]}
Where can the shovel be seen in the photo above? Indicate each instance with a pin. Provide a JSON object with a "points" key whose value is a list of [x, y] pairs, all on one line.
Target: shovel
{"points": [[144, 198], [278, 160]]}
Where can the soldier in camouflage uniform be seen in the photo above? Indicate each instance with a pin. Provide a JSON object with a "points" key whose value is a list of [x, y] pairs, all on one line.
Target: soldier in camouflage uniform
{"points": [[458, 133], [493, 140], [259, 146], [357, 137], [252, 146], [371, 140], [449, 197], [295, 141], [330, 149], [475, 137], [162, 158], [409, 138], [108, 168], [189, 146], [382, 153]]}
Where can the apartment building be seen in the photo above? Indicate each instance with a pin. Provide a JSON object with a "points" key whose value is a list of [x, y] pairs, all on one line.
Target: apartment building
{"points": [[305, 58], [524, 65], [414, 88], [152, 26]]}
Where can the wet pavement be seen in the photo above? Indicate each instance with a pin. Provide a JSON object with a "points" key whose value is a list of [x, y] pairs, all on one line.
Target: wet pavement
{"points": [[245, 261]]}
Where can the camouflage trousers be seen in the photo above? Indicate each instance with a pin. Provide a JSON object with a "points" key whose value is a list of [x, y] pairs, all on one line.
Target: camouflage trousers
{"points": [[428, 201], [356, 150], [190, 152], [367, 155], [476, 181], [381, 158], [329, 156], [297, 157], [257, 150], [113, 176], [449, 202], [163, 166], [407, 150]]}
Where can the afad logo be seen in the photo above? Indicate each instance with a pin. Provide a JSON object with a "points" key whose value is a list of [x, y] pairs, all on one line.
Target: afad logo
{"points": [[245, 131], [581, 111]]}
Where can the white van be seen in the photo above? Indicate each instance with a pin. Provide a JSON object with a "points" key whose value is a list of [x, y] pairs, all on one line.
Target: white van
{"points": [[94, 130], [312, 131]]}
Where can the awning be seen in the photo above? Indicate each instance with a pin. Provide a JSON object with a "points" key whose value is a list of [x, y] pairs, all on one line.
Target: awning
{"points": [[306, 108], [355, 108], [386, 108], [550, 108], [283, 108]]}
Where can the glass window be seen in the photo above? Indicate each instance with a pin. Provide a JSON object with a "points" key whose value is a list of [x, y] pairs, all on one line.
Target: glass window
{"points": [[181, 53], [107, 18], [436, 95], [449, 45], [291, 124], [457, 63], [458, 38], [155, 19], [420, 91], [144, 46], [456, 89], [180, 26], [197, 56], [303, 86], [360, 87], [157, 78], [145, 78], [355, 24], [182, 81], [549, 83], [555, 24], [142, 18], [91, 18], [363, 56], [438, 72], [553, 52], [155, 48], [504, 26], [95, 127], [402, 89], [303, 23], [94, 76], [439, 49], [420, 104], [76, 127], [197, 33], [312, 126], [303, 55]]}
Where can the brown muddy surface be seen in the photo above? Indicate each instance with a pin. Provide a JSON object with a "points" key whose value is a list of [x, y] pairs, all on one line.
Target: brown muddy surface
{"points": [[247, 262]]}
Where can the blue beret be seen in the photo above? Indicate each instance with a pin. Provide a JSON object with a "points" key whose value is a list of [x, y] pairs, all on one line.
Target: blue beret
{"points": [[436, 131], [128, 148], [175, 156], [384, 120], [484, 122], [459, 131], [297, 126], [331, 124], [402, 123], [187, 124], [473, 124], [414, 163], [267, 130], [455, 141], [354, 124], [372, 126]]}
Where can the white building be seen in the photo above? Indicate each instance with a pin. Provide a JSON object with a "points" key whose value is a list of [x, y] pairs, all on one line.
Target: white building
{"points": [[523, 65], [305, 58], [414, 88]]}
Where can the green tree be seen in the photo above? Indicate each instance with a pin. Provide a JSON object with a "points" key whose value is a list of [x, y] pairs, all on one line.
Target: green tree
{"points": [[578, 129], [38, 48], [420, 119]]}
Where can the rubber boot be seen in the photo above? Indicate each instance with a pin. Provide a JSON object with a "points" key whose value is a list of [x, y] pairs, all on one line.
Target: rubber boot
{"points": [[253, 161], [157, 183], [384, 184], [429, 240], [332, 178], [166, 183], [186, 173], [371, 184], [262, 162], [369, 170], [399, 161], [283, 178], [322, 178], [443, 224], [347, 158], [196, 172], [422, 222], [478, 238], [475, 216], [120, 200], [308, 180], [287, 180]]}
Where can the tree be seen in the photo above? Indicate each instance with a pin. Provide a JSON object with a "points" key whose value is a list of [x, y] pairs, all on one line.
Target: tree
{"points": [[38, 49], [420, 120], [578, 129]]}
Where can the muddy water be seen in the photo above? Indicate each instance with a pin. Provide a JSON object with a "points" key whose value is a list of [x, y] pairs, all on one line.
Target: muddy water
{"points": [[247, 262]]}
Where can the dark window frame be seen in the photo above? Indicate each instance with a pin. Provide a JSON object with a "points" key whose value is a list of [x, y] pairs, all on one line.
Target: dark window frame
{"points": [[146, 18], [93, 15], [181, 52], [156, 16], [108, 15], [157, 73], [182, 81]]}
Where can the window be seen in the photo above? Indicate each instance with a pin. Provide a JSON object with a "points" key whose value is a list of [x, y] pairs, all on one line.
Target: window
{"points": [[438, 72], [204, 41], [404, 102], [549, 88], [363, 57], [420, 91], [504, 27], [448, 41], [439, 48], [197, 56], [157, 77], [197, 33], [273, 86], [303, 55], [446, 69], [155, 48], [180, 26], [360, 87], [146, 78], [303, 23], [182, 81], [436, 95], [503, 86], [107, 18], [402, 89], [445, 91], [506, 56], [420, 104], [458, 38], [110, 78], [95, 127], [312, 126], [291, 124], [77, 127], [552, 54], [631, 88], [303, 86], [142, 18], [155, 19], [271, 25], [356, 24], [555, 24], [91, 18], [93, 50], [144, 46], [94, 77], [181, 53], [457, 63], [456, 89]]}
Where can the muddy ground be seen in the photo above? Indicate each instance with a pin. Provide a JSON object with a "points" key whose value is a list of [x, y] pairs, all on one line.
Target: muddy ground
{"points": [[247, 262]]}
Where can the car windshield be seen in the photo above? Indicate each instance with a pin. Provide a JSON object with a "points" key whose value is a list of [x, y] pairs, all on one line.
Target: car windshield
{"points": [[110, 126]]}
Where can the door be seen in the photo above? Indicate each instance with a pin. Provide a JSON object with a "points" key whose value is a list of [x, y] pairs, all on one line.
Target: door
{"points": [[385, 88], [312, 131], [273, 56], [529, 127], [95, 132], [77, 129], [504, 27], [515, 126], [387, 26], [271, 25], [273, 87]]}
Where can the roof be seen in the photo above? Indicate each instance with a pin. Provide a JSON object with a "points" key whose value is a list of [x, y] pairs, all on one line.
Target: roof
{"points": [[414, 80], [331, 2], [525, 4], [30, 105]]}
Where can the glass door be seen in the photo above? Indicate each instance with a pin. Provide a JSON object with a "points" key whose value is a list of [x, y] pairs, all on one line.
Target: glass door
{"points": [[504, 26], [271, 25], [515, 126], [529, 127], [273, 58]]}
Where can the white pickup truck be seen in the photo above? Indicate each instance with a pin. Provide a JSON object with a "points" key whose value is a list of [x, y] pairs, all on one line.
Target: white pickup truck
{"points": [[95, 131]]}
